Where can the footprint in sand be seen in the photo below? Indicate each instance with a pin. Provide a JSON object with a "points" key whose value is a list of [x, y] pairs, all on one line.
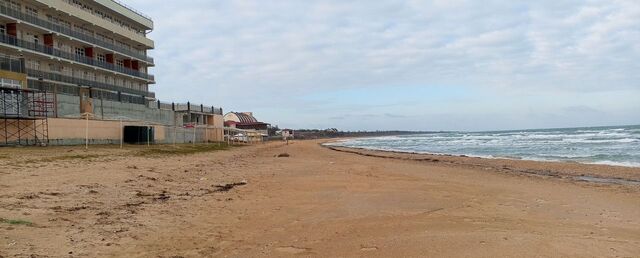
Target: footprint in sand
{"points": [[292, 249]]}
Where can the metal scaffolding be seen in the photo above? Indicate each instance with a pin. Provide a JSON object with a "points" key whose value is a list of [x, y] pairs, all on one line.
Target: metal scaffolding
{"points": [[24, 116]]}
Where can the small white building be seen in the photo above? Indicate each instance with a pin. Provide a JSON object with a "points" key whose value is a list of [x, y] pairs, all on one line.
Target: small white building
{"points": [[287, 133]]}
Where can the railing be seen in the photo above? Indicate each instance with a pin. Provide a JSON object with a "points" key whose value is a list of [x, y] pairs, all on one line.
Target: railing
{"points": [[17, 14], [11, 40], [163, 105], [11, 64], [185, 107], [133, 10], [84, 82]]}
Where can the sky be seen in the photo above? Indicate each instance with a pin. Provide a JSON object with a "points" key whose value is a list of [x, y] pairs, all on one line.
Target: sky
{"points": [[402, 65]]}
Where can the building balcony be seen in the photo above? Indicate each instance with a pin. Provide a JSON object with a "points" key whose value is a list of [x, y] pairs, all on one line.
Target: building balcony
{"points": [[84, 82], [11, 64], [28, 18], [189, 107], [11, 40]]}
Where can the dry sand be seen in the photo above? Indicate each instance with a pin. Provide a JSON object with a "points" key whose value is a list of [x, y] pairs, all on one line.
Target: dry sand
{"points": [[318, 202]]}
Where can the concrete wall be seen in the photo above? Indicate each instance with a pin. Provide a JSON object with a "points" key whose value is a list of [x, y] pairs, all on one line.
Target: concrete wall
{"points": [[69, 107], [66, 131], [106, 109], [188, 135], [218, 121], [104, 127]]}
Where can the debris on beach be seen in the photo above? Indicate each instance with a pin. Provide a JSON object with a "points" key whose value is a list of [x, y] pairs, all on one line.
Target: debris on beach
{"points": [[162, 196], [283, 155], [227, 187]]}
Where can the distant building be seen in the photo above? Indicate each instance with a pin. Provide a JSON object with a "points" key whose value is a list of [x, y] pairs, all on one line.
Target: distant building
{"points": [[245, 121], [287, 133]]}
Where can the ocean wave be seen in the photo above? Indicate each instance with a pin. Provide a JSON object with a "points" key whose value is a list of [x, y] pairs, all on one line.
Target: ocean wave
{"points": [[587, 145]]}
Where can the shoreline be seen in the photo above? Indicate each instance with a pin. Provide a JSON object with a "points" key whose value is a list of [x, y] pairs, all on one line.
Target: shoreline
{"points": [[575, 171], [478, 156], [611, 145]]}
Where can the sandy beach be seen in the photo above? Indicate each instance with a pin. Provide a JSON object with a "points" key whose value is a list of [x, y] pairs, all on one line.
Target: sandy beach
{"points": [[317, 202]]}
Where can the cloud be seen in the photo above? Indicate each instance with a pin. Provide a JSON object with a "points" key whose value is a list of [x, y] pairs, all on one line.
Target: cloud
{"points": [[367, 116], [581, 109], [268, 55]]}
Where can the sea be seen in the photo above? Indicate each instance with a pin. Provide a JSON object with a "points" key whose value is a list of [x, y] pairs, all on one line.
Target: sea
{"points": [[611, 145]]}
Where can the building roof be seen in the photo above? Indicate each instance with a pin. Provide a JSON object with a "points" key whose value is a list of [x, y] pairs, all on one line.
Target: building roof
{"points": [[246, 118], [128, 12], [242, 119]]}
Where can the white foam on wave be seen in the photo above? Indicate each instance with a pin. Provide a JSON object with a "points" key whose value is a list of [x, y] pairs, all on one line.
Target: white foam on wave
{"points": [[624, 140], [616, 163]]}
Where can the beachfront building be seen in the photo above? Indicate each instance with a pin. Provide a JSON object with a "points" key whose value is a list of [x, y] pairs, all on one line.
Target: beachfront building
{"points": [[61, 60], [287, 133], [245, 121], [90, 49]]}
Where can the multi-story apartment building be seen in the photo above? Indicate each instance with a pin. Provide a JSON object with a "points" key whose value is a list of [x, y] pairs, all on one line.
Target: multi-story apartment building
{"points": [[61, 60], [86, 48]]}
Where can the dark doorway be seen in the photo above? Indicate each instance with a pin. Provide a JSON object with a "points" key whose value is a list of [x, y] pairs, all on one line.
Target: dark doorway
{"points": [[138, 134]]}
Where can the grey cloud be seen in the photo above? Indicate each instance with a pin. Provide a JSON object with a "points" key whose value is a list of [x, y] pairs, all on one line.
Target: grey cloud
{"points": [[250, 54]]}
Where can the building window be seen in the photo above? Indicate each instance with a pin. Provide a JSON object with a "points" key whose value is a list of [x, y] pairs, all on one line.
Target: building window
{"points": [[104, 38], [10, 83], [52, 19], [15, 5], [31, 10], [64, 47], [55, 68], [123, 45], [79, 51], [33, 64], [66, 71], [101, 58], [65, 24], [119, 62]]}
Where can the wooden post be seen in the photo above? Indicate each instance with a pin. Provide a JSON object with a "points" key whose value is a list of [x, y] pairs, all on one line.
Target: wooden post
{"points": [[86, 132], [121, 134], [175, 134]]}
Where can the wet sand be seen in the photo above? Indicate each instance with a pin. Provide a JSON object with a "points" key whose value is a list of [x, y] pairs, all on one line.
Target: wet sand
{"points": [[318, 202]]}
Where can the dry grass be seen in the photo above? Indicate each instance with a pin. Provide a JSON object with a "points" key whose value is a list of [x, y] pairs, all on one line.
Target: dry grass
{"points": [[184, 149], [16, 222]]}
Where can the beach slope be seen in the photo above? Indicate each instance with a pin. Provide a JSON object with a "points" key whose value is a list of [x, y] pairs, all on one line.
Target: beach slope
{"points": [[246, 202]]}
